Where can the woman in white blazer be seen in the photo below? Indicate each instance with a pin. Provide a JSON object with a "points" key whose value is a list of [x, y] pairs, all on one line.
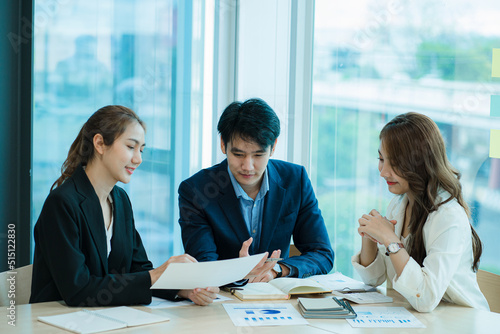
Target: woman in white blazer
{"points": [[425, 245]]}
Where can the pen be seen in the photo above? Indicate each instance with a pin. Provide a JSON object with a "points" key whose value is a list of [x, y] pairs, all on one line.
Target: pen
{"points": [[338, 301], [346, 302], [231, 290], [271, 259], [347, 290]]}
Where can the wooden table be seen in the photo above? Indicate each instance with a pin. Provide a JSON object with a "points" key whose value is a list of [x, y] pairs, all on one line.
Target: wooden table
{"points": [[446, 318]]}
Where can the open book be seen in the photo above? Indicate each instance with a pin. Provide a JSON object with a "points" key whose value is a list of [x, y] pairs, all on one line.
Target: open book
{"points": [[86, 321], [280, 288]]}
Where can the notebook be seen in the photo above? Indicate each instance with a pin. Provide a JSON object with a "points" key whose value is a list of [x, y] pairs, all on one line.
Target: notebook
{"points": [[325, 308], [280, 288], [321, 304], [86, 321]]}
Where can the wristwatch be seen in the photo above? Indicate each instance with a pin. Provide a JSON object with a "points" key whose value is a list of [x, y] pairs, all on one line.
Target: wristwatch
{"points": [[393, 248], [277, 270]]}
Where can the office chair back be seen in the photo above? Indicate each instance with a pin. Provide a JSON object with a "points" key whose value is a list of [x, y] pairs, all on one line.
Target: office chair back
{"points": [[489, 284], [16, 285], [294, 251]]}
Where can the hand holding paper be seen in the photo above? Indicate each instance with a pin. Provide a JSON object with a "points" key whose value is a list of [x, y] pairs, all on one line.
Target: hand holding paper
{"points": [[157, 272], [262, 271], [199, 296], [206, 274]]}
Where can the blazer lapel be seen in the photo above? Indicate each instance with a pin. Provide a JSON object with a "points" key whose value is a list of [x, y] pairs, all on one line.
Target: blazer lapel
{"points": [[230, 205], [272, 208], [93, 214]]}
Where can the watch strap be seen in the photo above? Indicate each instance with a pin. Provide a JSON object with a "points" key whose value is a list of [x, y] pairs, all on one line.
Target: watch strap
{"points": [[277, 270]]}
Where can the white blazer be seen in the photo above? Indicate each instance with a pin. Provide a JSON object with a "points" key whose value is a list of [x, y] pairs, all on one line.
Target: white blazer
{"points": [[447, 269]]}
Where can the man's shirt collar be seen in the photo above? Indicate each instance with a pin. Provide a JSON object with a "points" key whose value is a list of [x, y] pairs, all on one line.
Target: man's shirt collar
{"points": [[240, 193]]}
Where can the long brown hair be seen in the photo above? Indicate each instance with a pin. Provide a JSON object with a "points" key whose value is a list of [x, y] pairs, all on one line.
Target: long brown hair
{"points": [[110, 122], [417, 154]]}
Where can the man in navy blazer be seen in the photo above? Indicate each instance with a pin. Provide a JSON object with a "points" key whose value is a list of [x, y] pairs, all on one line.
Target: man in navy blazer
{"points": [[249, 204]]}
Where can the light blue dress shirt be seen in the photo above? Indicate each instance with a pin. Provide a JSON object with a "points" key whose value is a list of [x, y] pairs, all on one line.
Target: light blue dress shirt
{"points": [[251, 209]]}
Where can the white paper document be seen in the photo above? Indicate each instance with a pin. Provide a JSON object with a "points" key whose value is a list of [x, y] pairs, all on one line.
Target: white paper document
{"points": [[339, 282], [367, 297], [384, 317], [163, 303], [264, 315], [205, 274]]}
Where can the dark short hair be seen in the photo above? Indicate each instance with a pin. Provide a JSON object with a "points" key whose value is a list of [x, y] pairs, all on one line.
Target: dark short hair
{"points": [[253, 120]]}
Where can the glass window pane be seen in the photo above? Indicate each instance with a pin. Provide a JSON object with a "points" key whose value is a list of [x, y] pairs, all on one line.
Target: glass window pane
{"points": [[91, 53], [374, 60]]}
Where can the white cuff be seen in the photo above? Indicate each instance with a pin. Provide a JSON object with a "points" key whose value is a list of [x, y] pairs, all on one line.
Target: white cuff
{"points": [[375, 273]]}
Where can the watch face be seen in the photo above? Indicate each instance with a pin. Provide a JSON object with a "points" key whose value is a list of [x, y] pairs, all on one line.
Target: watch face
{"points": [[277, 268], [393, 248]]}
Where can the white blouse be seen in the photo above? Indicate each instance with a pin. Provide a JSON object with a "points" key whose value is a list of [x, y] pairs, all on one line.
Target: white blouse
{"points": [[109, 231], [447, 269]]}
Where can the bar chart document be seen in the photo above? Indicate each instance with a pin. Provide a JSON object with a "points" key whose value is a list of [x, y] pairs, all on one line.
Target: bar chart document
{"points": [[384, 317], [264, 315]]}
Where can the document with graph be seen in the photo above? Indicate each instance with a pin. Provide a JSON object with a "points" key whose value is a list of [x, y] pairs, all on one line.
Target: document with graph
{"points": [[384, 317], [264, 315]]}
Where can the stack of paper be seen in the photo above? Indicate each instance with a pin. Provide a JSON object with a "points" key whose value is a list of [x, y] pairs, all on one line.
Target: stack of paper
{"points": [[330, 307]]}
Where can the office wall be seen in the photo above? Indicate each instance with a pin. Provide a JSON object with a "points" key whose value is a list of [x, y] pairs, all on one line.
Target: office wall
{"points": [[15, 131]]}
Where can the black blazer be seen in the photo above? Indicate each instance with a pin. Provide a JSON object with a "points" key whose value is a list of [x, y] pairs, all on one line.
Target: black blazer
{"points": [[71, 262]]}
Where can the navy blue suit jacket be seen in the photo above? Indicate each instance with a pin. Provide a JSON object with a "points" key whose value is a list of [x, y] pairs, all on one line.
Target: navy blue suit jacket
{"points": [[213, 227], [71, 262]]}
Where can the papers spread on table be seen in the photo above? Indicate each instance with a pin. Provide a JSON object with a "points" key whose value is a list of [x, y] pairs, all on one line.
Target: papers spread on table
{"points": [[341, 283], [86, 321], [205, 274], [351, 289], [367, 297], [384, 317], [264, 314], [325, 308], [280, 288], [163, 303]]}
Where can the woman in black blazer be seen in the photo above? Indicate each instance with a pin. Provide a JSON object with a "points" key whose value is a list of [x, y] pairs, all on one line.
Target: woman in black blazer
{"points": [[87, 250]]}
